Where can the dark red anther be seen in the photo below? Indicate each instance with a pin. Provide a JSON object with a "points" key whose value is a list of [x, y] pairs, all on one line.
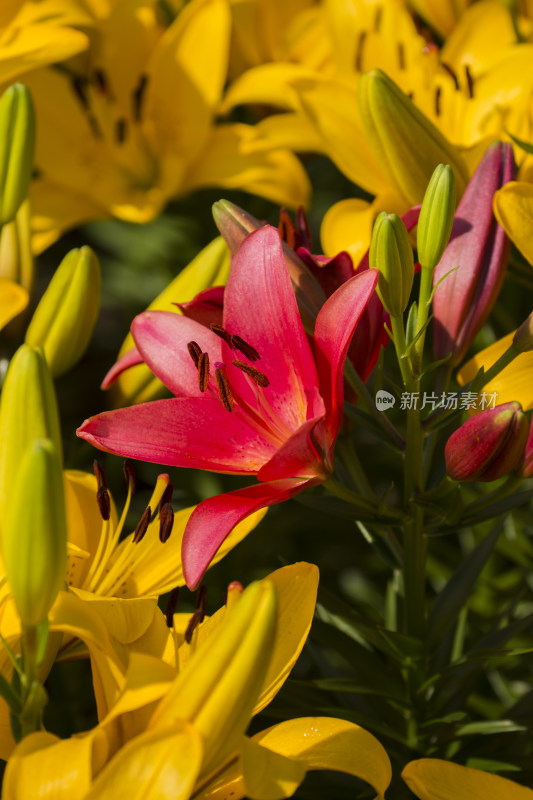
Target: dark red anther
{"points": [[201, 601], [121, 130], [171, 605], [141, 528], [166, 497], [129, 476], [469, 81], [79, 86], [437, 100], [166, 521], [203, 372], [100, 474], [224, 334], [193, 624], [245, 348], [303, 228], [286, 229], [224, 390], [359, 51], [104, 503], [450, 72], [137, 97], [258, 377], [195, 351], [100, 78]]}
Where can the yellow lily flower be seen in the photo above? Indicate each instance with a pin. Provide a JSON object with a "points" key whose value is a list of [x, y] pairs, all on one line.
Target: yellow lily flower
{"points": [[183, 734], [133, 124], [34, 33], [433, 779]]}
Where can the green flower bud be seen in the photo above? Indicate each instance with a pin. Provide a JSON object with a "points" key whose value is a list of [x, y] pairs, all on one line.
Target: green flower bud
{"points": [[28, 411], [392, 255], [34, 541], [16, 258], [436, 217], [17, 143], [64, 320], [407, 145]]}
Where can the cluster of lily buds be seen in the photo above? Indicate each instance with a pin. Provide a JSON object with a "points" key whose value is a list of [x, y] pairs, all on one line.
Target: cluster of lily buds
{"points": [[489, 445], [17, 144], [470, 274]]}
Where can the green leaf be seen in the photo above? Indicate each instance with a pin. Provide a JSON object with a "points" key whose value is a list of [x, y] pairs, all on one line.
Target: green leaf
{"points": [[10, 696], [490, 727], [526, 146], [453, 597]]}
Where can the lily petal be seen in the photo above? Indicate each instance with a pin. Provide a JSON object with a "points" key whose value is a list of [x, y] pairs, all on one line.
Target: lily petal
{"points": [[300, 456], [181, 432], [130, 359], [215, 518], [160, 763], [335, 326], [13, 300], [433, 779], [162, 337], [260, 306], [513, 208], [37, 768]]}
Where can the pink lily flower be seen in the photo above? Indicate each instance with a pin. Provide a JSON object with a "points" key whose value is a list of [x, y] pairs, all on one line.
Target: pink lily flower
{"points": [[278, 422]]}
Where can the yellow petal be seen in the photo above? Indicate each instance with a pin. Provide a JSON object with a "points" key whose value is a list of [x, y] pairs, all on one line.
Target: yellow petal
{"points": [[293, 130], [235, 158], [268, 775], [433, 779], [158, 765], [78, 619], [347, 225], [84, 522], [49, 768], [13, 300], [513, 383], [513, 207], [329, 743], [36, 45], [483, 31], [332, 107], [126, 619], [269, 84]]}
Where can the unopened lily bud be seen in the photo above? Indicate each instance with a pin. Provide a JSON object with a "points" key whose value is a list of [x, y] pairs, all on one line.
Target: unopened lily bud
{"points": [[16, 258], [28, 411], [523, 338], [407, 145], [64, 320], [34, 537], [217, 690], [489, 445], [17, 144], [469, 276], [392, 255], [525, 469], [436, 217]]}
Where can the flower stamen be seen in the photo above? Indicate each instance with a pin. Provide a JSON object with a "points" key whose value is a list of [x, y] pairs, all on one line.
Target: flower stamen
{"points": [[258, 377], [203, 372], [223, 387]]}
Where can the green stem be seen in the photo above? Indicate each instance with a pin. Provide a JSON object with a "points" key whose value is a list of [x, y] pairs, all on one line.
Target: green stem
{"points": [[424, 302], [507, 488], [353, 465], [364, 395]]}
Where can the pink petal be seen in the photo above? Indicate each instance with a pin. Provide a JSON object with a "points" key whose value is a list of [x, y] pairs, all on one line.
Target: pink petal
{"points": [[214, 519], [335, 326], [206, 308], [162, 337], [129, 359], [181, 432], [300, 456], [260, 306]]}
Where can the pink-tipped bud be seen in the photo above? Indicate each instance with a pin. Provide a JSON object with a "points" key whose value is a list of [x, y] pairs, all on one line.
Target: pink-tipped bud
{"points": [[489, 445], [525, 469], [469, 275]]}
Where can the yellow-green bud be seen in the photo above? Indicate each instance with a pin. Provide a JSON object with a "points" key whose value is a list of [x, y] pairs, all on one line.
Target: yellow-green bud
{"points": [[436, 217], [17, 144], [34, 546], [28, 411], [392, 255], [64, 320], [407, 145], [16, 258]]}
